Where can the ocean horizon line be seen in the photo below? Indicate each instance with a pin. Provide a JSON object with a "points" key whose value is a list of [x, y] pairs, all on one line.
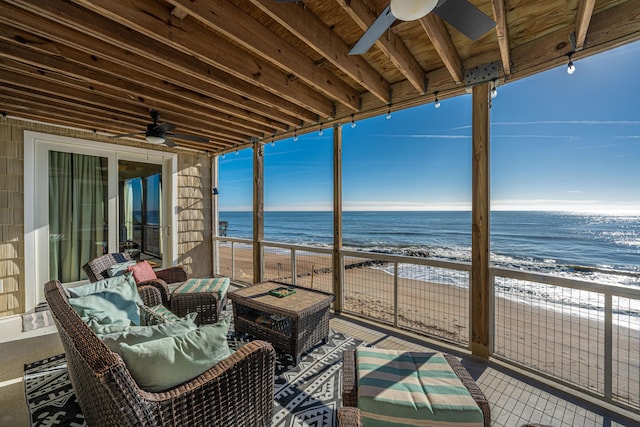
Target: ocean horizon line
{"points": [[623, 212]]}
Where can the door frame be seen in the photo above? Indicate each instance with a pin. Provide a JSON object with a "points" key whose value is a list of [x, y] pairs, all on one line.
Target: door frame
{"points": [[36, 200]]}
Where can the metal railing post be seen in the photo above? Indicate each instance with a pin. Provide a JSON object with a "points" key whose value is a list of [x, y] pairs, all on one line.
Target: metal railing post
{"points": [[395, 294], [608, 346], [294, 274], [492, 311], [233, 261]]}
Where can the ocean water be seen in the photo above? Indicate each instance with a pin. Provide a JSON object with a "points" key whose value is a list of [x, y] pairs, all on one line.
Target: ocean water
{"points": [[537, 241], [592, 247]]}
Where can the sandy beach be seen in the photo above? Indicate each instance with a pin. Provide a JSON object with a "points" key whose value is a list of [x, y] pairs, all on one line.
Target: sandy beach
{"points": [[559, 343]]}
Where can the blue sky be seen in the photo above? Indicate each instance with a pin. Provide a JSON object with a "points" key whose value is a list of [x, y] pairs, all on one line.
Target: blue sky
{"points": [[558, 142]]}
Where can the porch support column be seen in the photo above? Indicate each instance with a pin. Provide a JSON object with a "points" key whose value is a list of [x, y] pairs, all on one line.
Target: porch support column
{"points": [[215, 216], [258, 209], [480, 286], [338, 282]]}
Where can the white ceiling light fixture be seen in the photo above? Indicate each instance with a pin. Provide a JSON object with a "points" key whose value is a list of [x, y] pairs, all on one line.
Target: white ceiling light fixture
{"points": [[410, 10], [154, 139]]}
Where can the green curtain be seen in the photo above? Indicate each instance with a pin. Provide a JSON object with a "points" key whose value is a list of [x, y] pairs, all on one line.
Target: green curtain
{"points": [[77, 216]]}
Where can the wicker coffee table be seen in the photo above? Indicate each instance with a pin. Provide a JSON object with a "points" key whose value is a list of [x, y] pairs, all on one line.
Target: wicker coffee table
{"points": [[293, 324]]}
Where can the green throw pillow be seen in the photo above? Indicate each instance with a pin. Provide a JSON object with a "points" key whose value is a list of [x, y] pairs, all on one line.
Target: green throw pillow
{"points": [[99, 286], [115, 305], [167, 362], [138, 334]]}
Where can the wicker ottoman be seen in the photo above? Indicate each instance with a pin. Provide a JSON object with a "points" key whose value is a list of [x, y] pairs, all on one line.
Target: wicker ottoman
{"points": [[206, 297]]}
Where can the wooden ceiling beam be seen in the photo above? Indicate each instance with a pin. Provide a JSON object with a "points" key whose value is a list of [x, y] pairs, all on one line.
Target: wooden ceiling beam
{"points": [[315, 33], [392, 46], [122, 46], [28, 88], [610, 28], [169, 40], [87, 112], [76, 118], [59, 85], [93, 82], [583, 18], [435, 28], [104, 58], [33, 109], [228, 19], [502, 33]]}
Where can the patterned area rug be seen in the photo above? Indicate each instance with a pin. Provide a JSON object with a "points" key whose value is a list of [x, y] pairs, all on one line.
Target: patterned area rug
{"points": [[305, 395]]}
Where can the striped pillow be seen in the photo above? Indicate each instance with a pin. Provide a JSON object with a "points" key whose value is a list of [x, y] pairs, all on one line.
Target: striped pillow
{"points": [[412, 389]]}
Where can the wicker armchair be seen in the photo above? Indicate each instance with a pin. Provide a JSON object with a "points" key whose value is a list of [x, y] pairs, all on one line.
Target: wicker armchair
{"points": [[349, 414], [238, 391], [96, 269]]}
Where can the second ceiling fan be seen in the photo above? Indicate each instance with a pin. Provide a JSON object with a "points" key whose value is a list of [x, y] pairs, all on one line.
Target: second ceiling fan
{"points": [[461, 14]]}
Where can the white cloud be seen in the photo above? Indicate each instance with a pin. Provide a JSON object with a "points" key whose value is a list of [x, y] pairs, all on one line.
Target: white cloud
{"points": [[426, 136]]}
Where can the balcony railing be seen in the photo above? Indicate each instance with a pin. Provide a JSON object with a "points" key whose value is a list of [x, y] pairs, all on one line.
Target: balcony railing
{"points": [[582, 334], [234, 258]]}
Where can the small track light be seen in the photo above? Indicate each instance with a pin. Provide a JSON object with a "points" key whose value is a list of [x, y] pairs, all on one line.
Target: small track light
{"points": [[321, 131], [295, 135], [353, 122], [571, 68], [436, 102]]}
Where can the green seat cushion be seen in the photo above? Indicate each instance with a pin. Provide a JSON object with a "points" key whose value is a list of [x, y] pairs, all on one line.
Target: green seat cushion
{"points": [[133, 335], [217, 285], [412, 389], [99, 286], [164, 363], [157, 314], [117, 304]]}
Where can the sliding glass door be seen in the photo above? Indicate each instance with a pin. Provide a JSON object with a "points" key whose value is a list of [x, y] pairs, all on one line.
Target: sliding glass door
{"points": [[87, 198], [140, 211]]}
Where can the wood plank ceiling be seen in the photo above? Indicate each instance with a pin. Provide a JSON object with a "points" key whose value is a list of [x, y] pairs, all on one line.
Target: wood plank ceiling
{"points": [[236, 71]]}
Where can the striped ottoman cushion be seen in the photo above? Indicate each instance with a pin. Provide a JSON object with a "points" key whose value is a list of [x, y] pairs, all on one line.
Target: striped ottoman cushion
{"points": [[412, 389], [217, 285]]}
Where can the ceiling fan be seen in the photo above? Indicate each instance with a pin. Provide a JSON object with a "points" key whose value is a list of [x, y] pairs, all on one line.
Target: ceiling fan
{"points": [[159, 133], [461, 14]]}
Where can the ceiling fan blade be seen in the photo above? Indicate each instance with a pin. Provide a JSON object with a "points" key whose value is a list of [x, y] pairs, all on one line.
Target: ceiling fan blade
{"points": [[465, 17], [169, 142], [164, 127], [189, 137], [127, 134], [373, 33]]}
